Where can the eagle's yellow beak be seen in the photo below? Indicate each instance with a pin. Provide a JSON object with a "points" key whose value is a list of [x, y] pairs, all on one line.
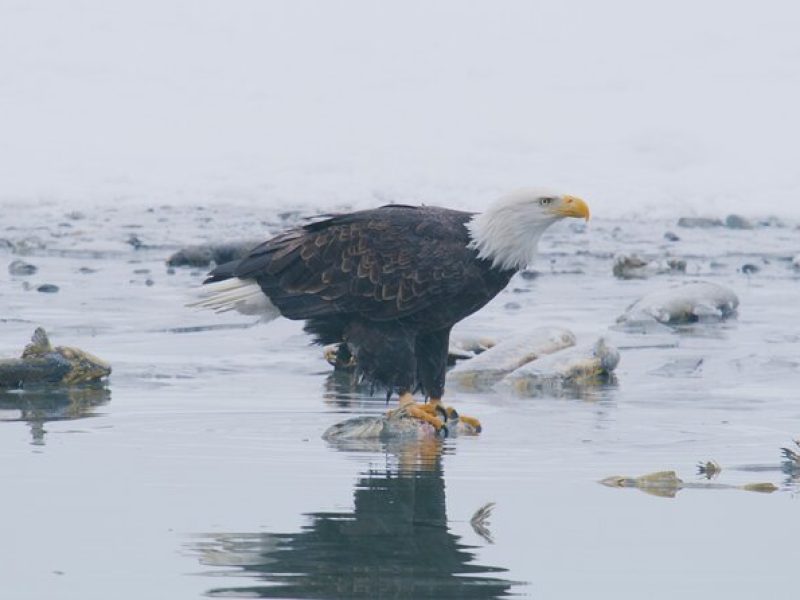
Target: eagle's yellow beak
{"points": [[571, 206]]}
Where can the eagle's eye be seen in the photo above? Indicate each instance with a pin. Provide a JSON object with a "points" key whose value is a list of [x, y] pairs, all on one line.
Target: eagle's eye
{"points": [[545, 201]]}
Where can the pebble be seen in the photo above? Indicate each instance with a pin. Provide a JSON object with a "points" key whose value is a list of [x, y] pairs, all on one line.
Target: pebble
{"points": [[738, 222], [699, 222], [47, 288], [20, 267]]}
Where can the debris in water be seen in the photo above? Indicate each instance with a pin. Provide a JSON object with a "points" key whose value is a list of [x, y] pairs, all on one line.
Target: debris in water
{"points": [[480, 521], [666, 484], [41, 363], [710, 469], [792, 456]]}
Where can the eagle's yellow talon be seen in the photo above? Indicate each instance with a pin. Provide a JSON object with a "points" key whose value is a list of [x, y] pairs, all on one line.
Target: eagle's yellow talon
{"points": [[451, 414]]}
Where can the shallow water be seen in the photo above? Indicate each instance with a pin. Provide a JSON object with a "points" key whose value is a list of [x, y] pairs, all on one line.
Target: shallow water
{"points": [[199, 469]]}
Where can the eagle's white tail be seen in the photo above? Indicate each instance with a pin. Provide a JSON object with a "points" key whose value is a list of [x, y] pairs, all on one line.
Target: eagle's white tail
{"points": [[242, 295]]}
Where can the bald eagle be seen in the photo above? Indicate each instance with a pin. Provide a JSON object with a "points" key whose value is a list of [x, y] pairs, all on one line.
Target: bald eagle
{"points": [[391, 282]]}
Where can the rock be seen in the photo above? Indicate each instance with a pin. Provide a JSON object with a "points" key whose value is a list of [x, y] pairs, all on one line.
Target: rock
{"points": [[47, 288], [28, 244], [796, 262], [671, 237], [486, 369], [688, 303], [749, 268], [633, 267], [738, 222], [699, 222], [21, 268], [40, 363], [204, 255], [134, 241], [580, 366]]}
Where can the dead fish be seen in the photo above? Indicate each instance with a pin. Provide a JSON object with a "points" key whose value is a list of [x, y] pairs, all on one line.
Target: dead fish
{"points": [[579, 366], [393, 426], [486, 369], [666, 484], [41, 363], [466, 347], [688, 303], [633, 267]]}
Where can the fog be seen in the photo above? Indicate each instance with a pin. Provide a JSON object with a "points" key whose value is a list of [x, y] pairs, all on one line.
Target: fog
{"points": [[643, 109]]}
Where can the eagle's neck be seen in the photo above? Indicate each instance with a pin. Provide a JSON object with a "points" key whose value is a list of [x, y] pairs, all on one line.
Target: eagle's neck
{"points": [[507, 236]]}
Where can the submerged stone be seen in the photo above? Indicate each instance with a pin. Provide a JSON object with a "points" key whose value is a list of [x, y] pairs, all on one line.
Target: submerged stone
{"points": [[21, 268], [48, 288]]}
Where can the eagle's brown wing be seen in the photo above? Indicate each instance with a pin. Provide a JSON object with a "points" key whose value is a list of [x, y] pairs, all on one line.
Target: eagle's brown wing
{"points": [[382, 264]]}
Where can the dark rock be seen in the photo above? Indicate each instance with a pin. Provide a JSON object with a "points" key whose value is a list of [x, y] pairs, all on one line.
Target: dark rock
{"points": [[20, 267], [149, 282], [47, 288], [204, 255], [141, 271], [738, 222], [28, 245], [671, 237], [512, 306], [699, 222], [749, 269], [86, 270], [633, 267], [134, 241], [529, 275]]}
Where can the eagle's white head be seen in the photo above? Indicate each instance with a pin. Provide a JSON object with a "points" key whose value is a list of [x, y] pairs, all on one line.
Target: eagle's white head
{"points": [[508, 232]]}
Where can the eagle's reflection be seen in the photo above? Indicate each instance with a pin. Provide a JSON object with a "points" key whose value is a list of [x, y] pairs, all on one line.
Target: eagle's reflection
{"points": [[394, 544], [37, 406]]}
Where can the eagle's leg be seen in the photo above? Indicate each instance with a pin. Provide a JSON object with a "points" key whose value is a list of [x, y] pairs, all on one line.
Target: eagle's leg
{"points": [[431, 351]]}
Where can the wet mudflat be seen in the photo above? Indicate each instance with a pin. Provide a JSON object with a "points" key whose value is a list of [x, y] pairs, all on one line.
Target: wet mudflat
{"points": [[199, 468]]}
